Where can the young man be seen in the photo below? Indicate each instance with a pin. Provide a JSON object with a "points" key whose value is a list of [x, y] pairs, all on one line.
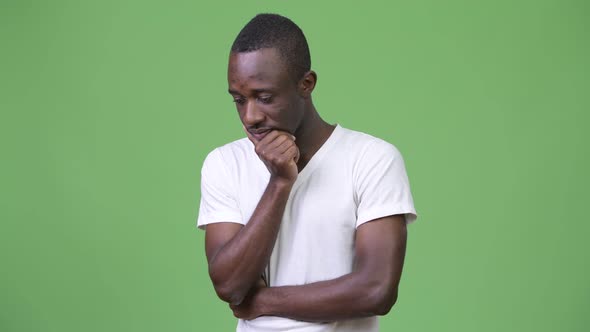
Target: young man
{"points": [[305, 221]]}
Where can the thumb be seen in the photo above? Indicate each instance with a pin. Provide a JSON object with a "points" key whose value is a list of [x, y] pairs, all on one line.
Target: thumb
{"points": [[296, 156]]}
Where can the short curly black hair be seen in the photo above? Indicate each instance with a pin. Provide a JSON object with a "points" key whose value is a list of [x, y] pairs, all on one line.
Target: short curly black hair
{"points": [[279, 32]]}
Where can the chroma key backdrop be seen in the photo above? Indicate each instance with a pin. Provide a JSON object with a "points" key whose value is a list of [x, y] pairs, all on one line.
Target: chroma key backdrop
{"points": [[108, 109]]}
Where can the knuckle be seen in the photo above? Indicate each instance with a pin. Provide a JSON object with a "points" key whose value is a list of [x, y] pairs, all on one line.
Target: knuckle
{"points": [[275, 159]]}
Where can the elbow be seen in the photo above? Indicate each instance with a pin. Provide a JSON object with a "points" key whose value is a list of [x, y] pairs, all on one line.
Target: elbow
{"points": [[229, 294], [226, 289], [382, 300], [378, 294]]}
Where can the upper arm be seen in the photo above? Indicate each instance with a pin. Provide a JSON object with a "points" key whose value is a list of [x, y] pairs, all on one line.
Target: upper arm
{"points": [[219, 212], [381, 185], [219, 198], [380, 247], [217, 235]]}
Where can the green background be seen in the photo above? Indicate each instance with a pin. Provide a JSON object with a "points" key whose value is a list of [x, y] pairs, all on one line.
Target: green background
{"points": [[108, 109]]}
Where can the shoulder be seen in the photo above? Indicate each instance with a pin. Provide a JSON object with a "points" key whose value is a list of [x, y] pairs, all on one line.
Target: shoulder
{"points": [[230, 154], [365, 147], [239, 148]]}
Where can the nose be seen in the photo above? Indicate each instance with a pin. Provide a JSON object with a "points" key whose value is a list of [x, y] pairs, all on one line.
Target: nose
{"points": [[252, 115]]}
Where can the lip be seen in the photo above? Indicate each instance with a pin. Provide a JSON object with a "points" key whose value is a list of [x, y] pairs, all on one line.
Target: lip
{"points": [[259, 134]]}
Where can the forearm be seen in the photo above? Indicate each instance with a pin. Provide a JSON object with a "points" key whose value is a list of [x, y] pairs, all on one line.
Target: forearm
{"points": [[241, 261], [351, 296]]}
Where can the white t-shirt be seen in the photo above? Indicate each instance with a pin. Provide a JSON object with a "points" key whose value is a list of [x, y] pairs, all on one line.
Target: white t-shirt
{"points": [[353, 178]]}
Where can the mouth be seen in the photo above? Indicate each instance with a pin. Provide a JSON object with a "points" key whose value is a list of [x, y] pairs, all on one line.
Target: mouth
{"points": [[260, 134]]}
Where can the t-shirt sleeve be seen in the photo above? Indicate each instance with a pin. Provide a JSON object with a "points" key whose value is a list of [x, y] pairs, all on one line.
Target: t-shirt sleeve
{"points": [[218, 196], [382, 185]]}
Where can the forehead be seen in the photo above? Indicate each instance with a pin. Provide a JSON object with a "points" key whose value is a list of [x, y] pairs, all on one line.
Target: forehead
{"points": [[263, 68]]}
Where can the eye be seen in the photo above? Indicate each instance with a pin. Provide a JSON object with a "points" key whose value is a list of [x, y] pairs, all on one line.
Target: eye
{"points": [[265, 99], [239, 101]]}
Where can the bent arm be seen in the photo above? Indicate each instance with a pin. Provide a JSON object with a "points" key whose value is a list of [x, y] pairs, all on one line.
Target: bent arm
{"points": [[237, 254], [370, 289]]}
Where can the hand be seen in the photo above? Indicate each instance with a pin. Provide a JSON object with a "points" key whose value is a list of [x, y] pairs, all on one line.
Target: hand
{"points": [[278, 152], [249, 308]]}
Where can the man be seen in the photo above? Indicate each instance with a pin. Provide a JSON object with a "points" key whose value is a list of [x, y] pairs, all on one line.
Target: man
{"points": [[305, 221]]}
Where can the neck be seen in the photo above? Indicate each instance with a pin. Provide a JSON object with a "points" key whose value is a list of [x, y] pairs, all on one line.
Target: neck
{"points": [[312, 133]]}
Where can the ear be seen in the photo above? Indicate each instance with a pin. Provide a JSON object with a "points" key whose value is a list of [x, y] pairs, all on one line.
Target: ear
{"points": [[307, 84]]}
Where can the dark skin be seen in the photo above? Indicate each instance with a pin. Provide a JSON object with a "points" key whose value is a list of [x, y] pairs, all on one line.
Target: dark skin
{"points": [[281, 121]]}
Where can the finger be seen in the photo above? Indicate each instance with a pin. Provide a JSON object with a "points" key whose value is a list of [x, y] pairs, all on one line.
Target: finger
{"points": [[273, 135], [298, 154], [288, 133], [293, 152], [262, 282], [285, 136], [278, 141], [287, 143], [291, 136]]}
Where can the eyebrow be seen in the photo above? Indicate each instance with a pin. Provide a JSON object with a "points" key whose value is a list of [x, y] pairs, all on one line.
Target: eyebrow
{"points": [[257, 91]]}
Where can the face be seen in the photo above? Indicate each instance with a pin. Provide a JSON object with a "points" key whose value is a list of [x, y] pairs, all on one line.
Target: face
{"points": [[265, 95]]}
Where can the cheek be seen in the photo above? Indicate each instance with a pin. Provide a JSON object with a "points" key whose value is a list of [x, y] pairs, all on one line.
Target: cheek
{"points": [[290, 115], [286, 113], [296, 111], [281, 112]]}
